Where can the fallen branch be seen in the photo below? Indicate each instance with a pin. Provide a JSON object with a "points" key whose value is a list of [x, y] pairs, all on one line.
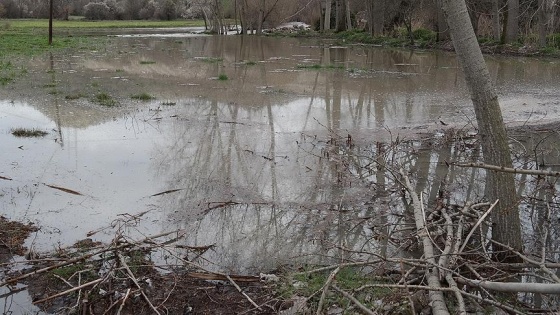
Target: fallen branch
{"points": [[244, 294], [432, 274], [326, 289], [133, 278], [544, 288], [508, 170]]}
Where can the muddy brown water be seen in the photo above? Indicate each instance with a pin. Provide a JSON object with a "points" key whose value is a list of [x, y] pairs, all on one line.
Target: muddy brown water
{"points": [[249, 163]]}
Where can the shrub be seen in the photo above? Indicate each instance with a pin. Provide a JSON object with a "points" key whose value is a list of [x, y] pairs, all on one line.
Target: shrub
{"points": [[98, 11], [423, 34], [553, 40]]}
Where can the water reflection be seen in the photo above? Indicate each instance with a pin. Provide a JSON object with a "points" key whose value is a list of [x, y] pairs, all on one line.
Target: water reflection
{"points": [[285, 161]]}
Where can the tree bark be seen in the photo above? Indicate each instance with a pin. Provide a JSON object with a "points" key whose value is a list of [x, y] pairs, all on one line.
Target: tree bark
{"points": [[506, 228], [379, 8], [442, 28], [512, 21], [348, 17], [328, 7], [496, 20]]}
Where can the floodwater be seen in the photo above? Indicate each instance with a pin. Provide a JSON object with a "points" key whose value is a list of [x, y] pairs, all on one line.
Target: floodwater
{"points": [[271, 166]]}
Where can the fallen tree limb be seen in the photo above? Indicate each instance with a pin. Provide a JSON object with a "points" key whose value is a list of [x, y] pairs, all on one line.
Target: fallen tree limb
{"points": [[432, 274], [508, 170], [544, 288]]}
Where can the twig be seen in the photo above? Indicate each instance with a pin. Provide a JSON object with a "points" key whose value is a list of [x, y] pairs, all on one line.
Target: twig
{"points": [[241, 291], [123, 301], [326, 289], [354, 300], [81, 258], [133, 278], [68, 291], [476, 225]]}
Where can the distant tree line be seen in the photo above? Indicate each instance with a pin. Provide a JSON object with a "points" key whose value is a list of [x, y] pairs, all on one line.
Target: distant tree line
{"points": [[503, 20]]}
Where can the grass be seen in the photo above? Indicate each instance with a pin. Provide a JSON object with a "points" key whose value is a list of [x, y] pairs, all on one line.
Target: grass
{"points": [[28, 133], [147, 62], [105, 99], [168, 103], [209, 59], [347, 279], [76, 24], [142, 97], [319, 67], [223, 77]]}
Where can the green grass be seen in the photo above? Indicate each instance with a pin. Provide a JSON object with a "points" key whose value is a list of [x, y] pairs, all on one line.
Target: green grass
{"points": [[105, 99], [73, 24], [223, 77], [142, 97], [347, 279], [209, 59], [28, 133], [147, 62]]}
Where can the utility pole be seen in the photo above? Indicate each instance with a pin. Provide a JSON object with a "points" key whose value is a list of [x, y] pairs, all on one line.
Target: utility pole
{"points": [[50, 21]]}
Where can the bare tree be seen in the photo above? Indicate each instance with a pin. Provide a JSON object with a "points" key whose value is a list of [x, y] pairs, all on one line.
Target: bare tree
{"points": [[512, 21], [501, 186]]}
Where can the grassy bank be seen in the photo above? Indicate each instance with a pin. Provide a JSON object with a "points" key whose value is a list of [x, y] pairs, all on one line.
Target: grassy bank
{"points": [[30, 24]]}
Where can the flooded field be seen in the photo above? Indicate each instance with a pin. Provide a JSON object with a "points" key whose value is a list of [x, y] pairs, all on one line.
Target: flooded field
{"points": [[260, 149]]}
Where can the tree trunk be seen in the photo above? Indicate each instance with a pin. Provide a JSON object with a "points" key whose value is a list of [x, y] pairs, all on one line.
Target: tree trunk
{"points": [[369, 16], [261, 17], [496, 20], [442, 28], [328, 7], [348, 17], [512, 21], [506, 226], [379, 8]]}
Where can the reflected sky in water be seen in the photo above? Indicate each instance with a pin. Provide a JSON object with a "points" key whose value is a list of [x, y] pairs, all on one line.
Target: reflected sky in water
{"points": [[260, 162]]}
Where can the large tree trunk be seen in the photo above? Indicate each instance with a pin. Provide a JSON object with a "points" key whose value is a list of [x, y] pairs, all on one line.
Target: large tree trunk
{"points": [[512, 21], [506, 226], [328, 7]]}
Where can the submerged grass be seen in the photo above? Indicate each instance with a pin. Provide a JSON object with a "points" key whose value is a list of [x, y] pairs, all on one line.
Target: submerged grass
{"points": [[142, 97], [319, 67], [28, 133], [105, 99]]}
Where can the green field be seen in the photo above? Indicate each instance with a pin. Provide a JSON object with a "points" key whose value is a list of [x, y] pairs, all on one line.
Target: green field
{"points": [[72, 24], [30, 36]]}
